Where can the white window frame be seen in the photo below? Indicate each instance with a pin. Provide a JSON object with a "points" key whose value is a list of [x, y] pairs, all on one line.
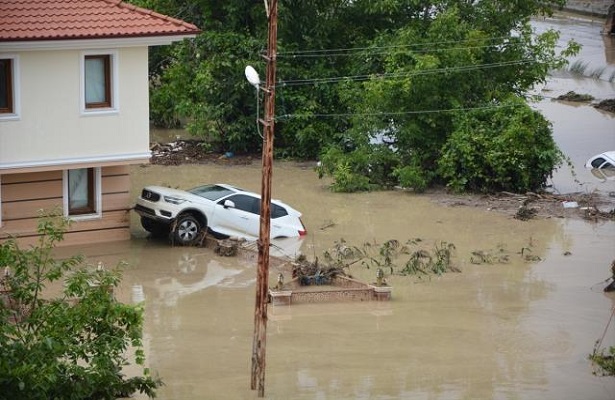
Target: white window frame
{"points": [[115, 98], [97, 214], [16, 88]]}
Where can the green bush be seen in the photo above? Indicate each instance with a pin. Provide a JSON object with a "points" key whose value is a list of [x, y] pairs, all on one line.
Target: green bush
{"points": [[504, 148], [359, 168], [347, 169], [412, 177], [63, 334]]}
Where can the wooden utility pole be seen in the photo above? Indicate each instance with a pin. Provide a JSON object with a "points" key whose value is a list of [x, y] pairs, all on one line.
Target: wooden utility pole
{"points": [[262, 275]]}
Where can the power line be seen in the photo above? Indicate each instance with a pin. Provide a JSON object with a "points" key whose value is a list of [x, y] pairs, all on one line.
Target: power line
{"points": [[385, 50], [359, 78], [385, 114], [361, 49]]}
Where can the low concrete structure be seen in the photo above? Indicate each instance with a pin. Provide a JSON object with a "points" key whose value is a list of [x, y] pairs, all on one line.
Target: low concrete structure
{"points": [[341, 288], [598, 8], [589, 7]]}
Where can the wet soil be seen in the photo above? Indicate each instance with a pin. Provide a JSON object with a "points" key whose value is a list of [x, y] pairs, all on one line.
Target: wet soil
{"points": [[187, 151], [607, 105]]}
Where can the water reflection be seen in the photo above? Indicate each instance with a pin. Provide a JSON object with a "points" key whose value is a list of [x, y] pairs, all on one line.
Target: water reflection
{"points": [[609, 48], [604, 174]]}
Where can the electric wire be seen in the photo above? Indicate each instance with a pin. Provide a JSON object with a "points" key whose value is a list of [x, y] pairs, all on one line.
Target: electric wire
{"points": [[599, 343], [386, 114], [385, 50], [371, 48], [358, 78]]}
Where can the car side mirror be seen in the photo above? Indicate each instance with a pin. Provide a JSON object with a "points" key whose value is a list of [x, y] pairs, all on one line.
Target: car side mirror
{"points": [[228, 204]]}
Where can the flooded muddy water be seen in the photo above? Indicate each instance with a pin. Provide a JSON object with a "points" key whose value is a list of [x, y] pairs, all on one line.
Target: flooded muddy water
{"points": [[520, 330], [580, 130]]}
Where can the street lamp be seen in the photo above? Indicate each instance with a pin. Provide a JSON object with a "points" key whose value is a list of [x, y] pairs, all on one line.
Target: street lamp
{"points": [[255, 80]]}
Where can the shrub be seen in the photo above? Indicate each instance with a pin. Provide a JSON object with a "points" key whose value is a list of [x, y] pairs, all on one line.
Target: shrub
{"points": [[71, 345], [506, 148], [412, 177]]}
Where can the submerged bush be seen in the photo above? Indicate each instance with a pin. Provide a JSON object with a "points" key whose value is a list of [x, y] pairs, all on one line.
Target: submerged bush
{"points": [[605, 360]]}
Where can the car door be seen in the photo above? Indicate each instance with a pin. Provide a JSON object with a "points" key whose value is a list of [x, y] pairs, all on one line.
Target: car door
{"points": [[240, 220], [278, 226]]}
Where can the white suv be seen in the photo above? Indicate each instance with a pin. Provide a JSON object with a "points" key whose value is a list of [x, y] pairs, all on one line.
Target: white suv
{"points": [[220, 208]]}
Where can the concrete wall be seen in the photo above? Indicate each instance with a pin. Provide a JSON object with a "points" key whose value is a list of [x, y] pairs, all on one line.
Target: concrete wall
{"points": [[52, 128], [589, 7]]}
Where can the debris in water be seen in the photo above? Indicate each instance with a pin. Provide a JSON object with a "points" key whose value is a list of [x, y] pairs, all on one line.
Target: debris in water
{"points": [[611, 286]]}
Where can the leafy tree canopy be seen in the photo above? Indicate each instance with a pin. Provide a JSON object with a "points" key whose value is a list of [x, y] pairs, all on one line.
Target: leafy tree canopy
{"points": [[351, 74]]}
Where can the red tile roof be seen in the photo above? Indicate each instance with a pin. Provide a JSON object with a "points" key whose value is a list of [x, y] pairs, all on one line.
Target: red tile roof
{"points": [[22, 20]]}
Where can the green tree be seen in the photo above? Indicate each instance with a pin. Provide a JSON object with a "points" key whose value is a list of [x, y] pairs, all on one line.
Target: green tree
{"points": [[72, 345], [457, 58], [351, 72]]}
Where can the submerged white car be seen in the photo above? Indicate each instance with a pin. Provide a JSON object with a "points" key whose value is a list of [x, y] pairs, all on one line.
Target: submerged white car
{"points": [[602, 161], [220, 208], [602, 165]]}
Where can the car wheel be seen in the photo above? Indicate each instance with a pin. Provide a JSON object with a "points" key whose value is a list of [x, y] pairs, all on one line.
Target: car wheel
{"points": [[187, 229], [157, 229]]}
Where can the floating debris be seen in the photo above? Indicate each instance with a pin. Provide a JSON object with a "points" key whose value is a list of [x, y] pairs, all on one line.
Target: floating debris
{"points": [[576, 97]]}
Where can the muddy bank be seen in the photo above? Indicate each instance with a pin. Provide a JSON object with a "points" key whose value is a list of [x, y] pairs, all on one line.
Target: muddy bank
{"points": [[588, 206], [604, 105]]}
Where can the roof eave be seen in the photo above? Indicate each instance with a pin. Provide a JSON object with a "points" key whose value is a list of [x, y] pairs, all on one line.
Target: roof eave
{"points": [[93, 43]]}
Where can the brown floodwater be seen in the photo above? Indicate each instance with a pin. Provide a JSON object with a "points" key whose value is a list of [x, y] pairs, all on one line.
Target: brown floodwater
{"points": [[519, 330]]}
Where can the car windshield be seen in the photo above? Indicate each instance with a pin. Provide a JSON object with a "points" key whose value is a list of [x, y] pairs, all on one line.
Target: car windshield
{"points": [[211, 192]]}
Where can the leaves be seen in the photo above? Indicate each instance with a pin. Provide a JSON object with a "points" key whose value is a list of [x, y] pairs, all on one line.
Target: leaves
{"points": [[73, 345], [352, 70]]}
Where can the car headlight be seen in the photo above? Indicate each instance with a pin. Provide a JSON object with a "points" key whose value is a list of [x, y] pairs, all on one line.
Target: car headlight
{"points": [[173, 200]]}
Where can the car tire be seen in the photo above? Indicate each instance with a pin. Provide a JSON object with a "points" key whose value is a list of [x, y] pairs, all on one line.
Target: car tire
{"points": [[156, 229], [187, 230]]}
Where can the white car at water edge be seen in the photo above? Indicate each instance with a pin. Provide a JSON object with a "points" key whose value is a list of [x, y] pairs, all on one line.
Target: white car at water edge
{"points": [[220, 208], [602, 165]]}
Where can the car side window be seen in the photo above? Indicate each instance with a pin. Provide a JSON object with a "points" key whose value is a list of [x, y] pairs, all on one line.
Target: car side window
{"points": [[598, 162], [244, 203], [277, 211]]}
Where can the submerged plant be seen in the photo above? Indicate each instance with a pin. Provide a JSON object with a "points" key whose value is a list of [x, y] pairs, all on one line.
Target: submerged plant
{"points": [[578, 67], [389, 255], [604, 360], [597, 72]]}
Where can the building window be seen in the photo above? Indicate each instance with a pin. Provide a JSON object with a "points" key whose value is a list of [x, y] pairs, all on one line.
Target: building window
{"points": [[6, 86], [99, 82], [81, 191], [97, 75]]}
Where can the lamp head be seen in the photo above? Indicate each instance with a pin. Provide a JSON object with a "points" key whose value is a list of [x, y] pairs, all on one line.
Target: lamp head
{"points": [[252, 76]]}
